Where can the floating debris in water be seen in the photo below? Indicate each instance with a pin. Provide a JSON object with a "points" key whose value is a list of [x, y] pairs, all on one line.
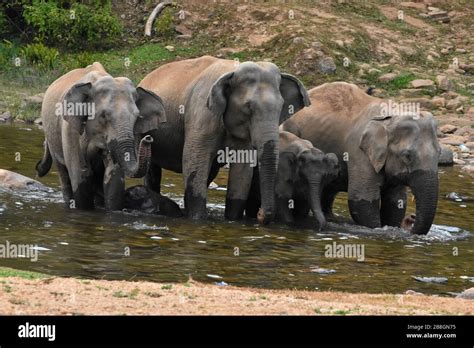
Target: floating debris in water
{"points": [[156, 237], [47, 224], [63, 243], [291, 274], [175, 239], [39, 248], [221, 283], [141, 226], [202, 241], [19, 204], [281, 238], [213, 276], [471, 279], [436, 280], [322, 270]]}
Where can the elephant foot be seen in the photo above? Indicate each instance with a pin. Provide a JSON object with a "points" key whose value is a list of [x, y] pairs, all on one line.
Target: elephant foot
{"points": [[234, 209], [195, 207], [365, 213], [408, 222]]}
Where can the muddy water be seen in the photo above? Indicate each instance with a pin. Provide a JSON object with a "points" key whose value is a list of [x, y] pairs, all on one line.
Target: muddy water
{"points": [[96, 244]]}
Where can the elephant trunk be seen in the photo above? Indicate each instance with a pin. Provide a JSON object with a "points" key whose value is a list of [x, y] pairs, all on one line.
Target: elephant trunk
{"points": [[315, 203], [424, 185], [268, 162], [124, 151]]}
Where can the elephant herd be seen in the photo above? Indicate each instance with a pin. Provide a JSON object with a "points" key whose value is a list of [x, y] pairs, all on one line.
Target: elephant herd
{"points": [[309, 145]]}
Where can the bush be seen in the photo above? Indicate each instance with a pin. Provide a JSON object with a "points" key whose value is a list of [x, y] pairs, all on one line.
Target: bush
{"points": [[79, 27], [164, 23], [39, 55]]}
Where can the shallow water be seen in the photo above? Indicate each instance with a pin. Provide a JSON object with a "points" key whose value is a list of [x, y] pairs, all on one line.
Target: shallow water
{"points": [[95, 244]]}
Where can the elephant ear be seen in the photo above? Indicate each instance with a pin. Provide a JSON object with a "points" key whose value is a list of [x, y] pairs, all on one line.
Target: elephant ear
{"points": [[374, 142], [152, 111], [294, 95], [217, 98], [78, 94]]}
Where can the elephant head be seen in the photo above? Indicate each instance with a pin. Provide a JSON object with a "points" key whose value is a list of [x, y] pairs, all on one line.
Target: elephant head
{"points": [[406, 148], [114, 114], [316, 169], [254, 100]]}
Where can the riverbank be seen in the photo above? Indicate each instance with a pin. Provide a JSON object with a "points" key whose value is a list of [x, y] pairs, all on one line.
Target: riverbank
{"points": [[27, 293]]}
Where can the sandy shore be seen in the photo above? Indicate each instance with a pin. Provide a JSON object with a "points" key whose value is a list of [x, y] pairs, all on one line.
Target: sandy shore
{"points": [[70, 296]]}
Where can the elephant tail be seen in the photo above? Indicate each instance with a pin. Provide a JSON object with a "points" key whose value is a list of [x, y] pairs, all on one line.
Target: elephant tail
{"points": [[44, 165]]}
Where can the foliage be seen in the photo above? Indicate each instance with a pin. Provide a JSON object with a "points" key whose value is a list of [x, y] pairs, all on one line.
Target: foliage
{"points": [[79, 27], [164, 23], [40, 55]]}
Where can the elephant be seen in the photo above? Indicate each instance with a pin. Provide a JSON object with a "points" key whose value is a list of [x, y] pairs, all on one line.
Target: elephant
{"points": [[214, 105], [93, 123], [382, 147], [141, 198], [303, 172]]}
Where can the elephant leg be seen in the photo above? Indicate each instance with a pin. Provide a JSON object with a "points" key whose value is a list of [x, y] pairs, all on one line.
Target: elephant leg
{"points": [[253, 200], [238, 187], [393, 206], [284, 211], [214, 171], [364, 197], [97, 181], [153, 178], [301, 209], [114, 186], [65, 183], [327, 202]]}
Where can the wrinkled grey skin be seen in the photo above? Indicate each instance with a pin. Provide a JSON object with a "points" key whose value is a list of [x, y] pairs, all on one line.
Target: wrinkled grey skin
{"points": [[380, 154], [303, 172], [212, 104], [93, 154], [143, 199]]}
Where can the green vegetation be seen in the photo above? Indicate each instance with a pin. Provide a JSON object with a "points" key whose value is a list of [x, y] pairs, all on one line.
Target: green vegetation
{"points": [[131, 295], [10, 272], [165, 26], [167, 287]]}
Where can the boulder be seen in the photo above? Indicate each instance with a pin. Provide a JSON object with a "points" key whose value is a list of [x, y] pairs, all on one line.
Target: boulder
{"points": [[6, 116], [387, 77], [422, 83], [467, 294], [326, 65], [444, 83], [439, 102], [446, 157], [15, 181], [452, 140], [469, 169], [448, 128]]}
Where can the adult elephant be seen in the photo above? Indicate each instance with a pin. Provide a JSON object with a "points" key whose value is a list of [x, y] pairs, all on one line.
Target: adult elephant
{"points": [[212, 104], [381, 151], [93, 123]]}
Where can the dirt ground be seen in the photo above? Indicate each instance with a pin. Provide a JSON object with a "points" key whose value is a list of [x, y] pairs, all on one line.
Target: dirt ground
{"points": [[69, 296]]}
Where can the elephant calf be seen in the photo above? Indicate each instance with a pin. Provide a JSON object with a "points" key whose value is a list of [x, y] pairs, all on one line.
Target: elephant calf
{"points": [[141, 198], [93, 123], [303, 172]]}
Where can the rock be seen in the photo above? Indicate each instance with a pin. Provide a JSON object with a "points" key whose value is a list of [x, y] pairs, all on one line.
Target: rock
{"points": [[453, 104], [470, 145], [33, 101], [439, 102], [6, 116], [38, 122], [298, 40], [326, 65], [460, 110], [444, 83], [170, 48], [413, 293], [415, 5], [466, 130], [467, 294], [420, 83], [424, 103], [452, 140], [184, 37], [446, 157], [460, 50], [459, 162], [469, 169], [340, 43], [411, 92], [448, 128], [387, 77], [373, 71], [436, 280], [467, 67], [15, 181]]}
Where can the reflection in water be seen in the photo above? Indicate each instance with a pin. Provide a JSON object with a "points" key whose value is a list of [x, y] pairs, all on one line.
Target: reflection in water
{"points": [[133, 245]]}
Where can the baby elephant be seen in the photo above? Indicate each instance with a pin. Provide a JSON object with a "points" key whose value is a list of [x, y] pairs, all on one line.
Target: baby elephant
{"points": [[303, 171], [143, 199]]}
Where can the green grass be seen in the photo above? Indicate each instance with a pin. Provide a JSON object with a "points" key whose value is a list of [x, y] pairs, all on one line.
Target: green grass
{"points": [[10, 272]]}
